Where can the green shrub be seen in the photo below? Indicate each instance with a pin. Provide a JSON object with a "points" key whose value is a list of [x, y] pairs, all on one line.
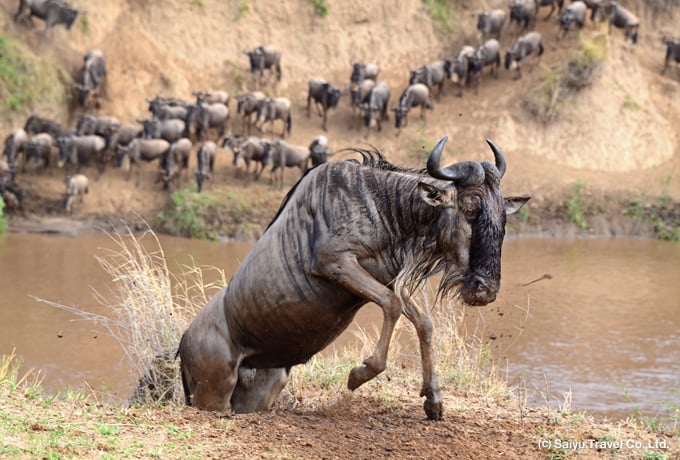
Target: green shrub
{"points": [[320, 7], [442, 14], [185, 215], [575, 207]]}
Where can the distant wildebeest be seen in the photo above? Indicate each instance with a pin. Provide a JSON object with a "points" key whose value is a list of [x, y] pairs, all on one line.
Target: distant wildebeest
{"points": [[36, 125], [553, 4], [141, 150], [211, 97], [122, 134], [272, 109], [325, 97], [171, 129], [359, 94], [175, 162], [265, 58], [10, 192], [457, 68], [38, 150], [247, 106], [168, 108], [205, 159], [490, 24], [523, 14], [527, 44], [431, 75], [204, 116], [76, 187], [93, 124], [15, 145], [487, 54], [251, 149], [91, 78], [53, 12], [284, 155], [361, 71], [574, 15], [672, 52], [596, 9], [375, 107], [79, 150], [417, 95], [348, 234], [318, 151], [622, 18]]}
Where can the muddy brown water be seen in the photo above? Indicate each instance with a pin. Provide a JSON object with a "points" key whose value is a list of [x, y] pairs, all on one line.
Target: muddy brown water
{"points": [[603, 326]]}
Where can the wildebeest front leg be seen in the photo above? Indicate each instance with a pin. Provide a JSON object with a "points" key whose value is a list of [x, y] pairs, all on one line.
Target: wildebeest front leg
{"points": [[346, 271], [433, 403]]}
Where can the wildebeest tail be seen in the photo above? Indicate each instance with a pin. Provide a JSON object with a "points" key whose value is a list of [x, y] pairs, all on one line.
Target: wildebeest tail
{"points": [[540, 49], [278, 71], [185, 384], [289, 122]]}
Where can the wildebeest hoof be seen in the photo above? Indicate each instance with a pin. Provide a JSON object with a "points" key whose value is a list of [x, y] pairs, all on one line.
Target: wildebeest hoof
{"points": [[433, 409], [358, 376]]}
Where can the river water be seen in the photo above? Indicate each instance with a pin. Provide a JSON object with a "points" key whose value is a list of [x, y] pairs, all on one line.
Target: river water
{"points": [[602, 327]]}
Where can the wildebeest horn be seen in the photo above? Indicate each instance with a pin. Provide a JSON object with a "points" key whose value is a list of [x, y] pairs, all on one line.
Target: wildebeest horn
{"points": [[500, 158], [462, 173]]}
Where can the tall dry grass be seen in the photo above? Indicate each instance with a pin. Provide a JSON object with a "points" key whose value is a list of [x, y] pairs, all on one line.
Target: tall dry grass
{"points": [[149, 309]]}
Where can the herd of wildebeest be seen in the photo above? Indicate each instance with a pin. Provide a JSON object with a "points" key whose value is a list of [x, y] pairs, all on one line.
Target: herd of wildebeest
{"points": [[177, 127]]}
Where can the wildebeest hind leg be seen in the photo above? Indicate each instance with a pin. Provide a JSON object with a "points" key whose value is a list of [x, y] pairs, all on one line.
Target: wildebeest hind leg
{"points": [[257, 389]]}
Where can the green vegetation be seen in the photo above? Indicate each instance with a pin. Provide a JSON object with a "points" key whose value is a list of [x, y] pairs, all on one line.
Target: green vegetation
{"points": [[545, 100], [243, 9], [575, 207], [661, 212], [3, 222], [26, 80], [85, 25], [442, 14], [320, 7], [186, 215], [197, 3]]}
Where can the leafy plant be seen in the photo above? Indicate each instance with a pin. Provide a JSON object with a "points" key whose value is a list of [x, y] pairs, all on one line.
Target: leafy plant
{"points": [[185, 215], [198, 3], [320, 7], [575, 207], [243, 9], [441, 12]]}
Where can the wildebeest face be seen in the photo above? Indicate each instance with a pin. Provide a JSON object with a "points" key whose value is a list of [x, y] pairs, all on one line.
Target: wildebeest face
{"points": [[400, 116], [334, 97], [508, 60]]}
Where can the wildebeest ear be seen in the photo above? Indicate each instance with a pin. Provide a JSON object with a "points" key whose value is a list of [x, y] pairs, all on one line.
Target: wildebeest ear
{"points": [[515, 203], [435, 196]]}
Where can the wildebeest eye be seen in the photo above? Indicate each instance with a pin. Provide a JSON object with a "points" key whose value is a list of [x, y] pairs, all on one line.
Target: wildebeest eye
{"points": [[469, 205]]}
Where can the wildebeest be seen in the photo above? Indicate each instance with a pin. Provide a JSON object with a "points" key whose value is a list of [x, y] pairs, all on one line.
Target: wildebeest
{"points": [[672, 51], [171, 129], [413, 96], [36, 124], [348, 234], [76, 187], [211, 97], [431, 75], [79, 150], [247, 105], [168, 108], [272, 109], [457, 68], [595, 7], [139, 150], [265, 58], [10, 192], [122, 134], [359, 94], [175, 162], [284, 155], [487, 54], [361, 71], [318, 151], [573, 15], [203, 116], [205, 158], [92, 124], [490, 23], [53, 12], [552, 4], [325, 97], [15, 144], [39, 149], [252, 149], [529, 43], [375, 106], [523, 13], [91, 78], [622, 18]]}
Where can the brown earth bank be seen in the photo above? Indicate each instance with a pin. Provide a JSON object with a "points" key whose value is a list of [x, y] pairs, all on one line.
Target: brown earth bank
{"points": [[616, 141]]}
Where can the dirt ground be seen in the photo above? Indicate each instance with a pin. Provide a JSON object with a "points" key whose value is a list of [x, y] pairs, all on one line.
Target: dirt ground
{"points": [[619, 138]]}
